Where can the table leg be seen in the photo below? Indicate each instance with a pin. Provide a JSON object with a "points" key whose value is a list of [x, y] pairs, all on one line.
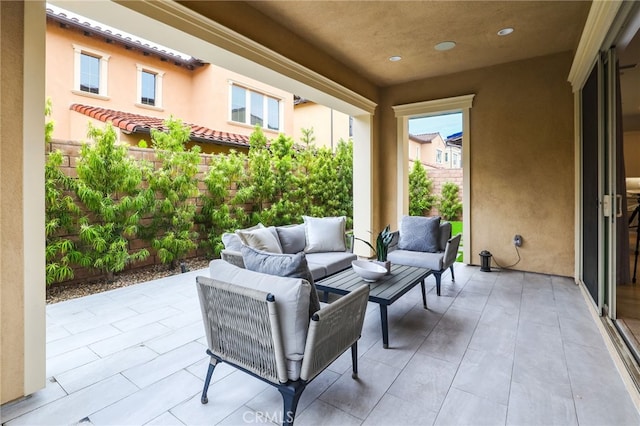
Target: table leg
{"points": [[385, 326], [424, 295]]}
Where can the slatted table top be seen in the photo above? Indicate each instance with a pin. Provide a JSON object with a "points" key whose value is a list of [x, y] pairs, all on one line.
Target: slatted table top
{"points": [[385, 291]]}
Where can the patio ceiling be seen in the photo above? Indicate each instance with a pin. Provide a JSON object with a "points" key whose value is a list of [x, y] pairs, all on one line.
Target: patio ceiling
{"points": [[363, 35]]}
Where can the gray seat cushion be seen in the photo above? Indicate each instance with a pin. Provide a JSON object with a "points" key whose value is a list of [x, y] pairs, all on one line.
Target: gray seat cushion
{"points": [[332, 262], [420, 259]]}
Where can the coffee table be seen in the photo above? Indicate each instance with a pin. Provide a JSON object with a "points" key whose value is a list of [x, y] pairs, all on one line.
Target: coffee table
{"points": [[384, 292]]}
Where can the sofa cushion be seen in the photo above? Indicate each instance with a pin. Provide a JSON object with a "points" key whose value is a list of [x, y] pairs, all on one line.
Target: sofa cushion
{"points": [[332, 262], [233, 242], [418, 233], [292, 238], [292, 302], [282, 265], [265, 239], [420, 259], [324, 234]]}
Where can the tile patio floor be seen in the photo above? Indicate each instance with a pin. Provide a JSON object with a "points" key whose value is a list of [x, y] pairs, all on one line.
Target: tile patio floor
{"points": [[499, 348]]}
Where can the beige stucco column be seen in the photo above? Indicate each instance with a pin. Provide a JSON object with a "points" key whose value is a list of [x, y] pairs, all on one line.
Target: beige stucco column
{"points": [[22, 240]]}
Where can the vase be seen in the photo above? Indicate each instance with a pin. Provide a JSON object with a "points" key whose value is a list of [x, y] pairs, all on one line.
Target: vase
{"points": [[385, 264]]}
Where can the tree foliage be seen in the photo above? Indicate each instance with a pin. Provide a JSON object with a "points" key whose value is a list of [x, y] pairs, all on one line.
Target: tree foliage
{"points": [[61, 215], [175, 185], [421, 200], [449, 204], [111, 192]]}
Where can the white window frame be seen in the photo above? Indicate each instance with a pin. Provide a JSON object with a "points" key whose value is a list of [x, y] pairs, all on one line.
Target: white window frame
{"points": [[265, 107], [438, 156], [159, 75], [103, 92]]}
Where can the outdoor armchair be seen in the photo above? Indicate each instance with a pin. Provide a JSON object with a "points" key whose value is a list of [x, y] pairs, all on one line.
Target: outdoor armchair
{"points": [[248, 329]]}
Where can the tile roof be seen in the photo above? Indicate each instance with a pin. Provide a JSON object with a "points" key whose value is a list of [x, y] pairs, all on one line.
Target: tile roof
{"points": [[424, 138], [136, 123], [165, 54]]}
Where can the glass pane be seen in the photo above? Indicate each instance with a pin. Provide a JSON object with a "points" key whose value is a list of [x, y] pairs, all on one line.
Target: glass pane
{"points": [[89, 73], [148, 89], [273, 109], [238, 104], [257, 109]]}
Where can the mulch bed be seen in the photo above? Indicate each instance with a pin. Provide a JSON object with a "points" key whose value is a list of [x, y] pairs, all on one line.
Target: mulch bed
{"points": [[61, 292]]}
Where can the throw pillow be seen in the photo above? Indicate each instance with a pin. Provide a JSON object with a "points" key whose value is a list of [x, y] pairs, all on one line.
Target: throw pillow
{"points": [[282, 265], [324, 234], [418, 233], [265, 239], [292, 238], [232, 241]]}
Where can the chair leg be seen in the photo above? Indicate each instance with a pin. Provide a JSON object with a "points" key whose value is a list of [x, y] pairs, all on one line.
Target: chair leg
{"points": [[453, 276], [354, 360], [291, 394], [438, 276], [207, 380], [424, 294]]}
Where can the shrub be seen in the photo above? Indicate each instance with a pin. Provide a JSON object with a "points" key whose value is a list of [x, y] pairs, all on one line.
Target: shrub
{"points": [[449, 204], [110, 188], [420, 186]]}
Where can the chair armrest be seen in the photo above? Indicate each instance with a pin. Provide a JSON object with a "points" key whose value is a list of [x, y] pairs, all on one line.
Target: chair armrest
{"points": [[332, 330], [233, 257], [451, 251]]}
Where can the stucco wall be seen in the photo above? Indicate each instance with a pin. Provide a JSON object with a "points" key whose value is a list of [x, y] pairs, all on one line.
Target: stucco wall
{"points": [[329, 125], [632, 153], [521, 158], [11, 224]]}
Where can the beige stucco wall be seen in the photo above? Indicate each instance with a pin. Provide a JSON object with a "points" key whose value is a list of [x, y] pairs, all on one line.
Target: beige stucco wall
{"points": [[632, 153], [521, 158], [22, 322], [11, 225], [329, 125]]}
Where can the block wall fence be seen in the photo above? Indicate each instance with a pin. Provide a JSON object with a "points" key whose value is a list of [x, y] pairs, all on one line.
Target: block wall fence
{"points": [[71, 152]]}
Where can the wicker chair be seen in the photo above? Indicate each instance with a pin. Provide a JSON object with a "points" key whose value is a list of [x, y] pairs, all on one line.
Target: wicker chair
{"points": [[243, 329]]}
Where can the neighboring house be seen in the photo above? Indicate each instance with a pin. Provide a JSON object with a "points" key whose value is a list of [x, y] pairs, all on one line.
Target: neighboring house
{"points": [[434, 152], [98, 75], [329, 126]]}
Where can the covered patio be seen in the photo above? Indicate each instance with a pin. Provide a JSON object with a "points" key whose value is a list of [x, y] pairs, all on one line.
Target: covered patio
{"points": [[498, 348]]}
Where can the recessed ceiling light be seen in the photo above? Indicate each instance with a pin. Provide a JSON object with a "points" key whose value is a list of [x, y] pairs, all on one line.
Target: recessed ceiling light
{"points": [[445, 45], [395, 58], [505, 31]]}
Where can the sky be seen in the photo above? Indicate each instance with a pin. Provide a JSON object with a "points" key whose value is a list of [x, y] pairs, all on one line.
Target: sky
{"points": [[446, 125]]}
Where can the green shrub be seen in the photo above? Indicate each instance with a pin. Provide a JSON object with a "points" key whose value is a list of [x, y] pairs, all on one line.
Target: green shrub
{"points": [[420, 186], [110, 189], [449, 204]]}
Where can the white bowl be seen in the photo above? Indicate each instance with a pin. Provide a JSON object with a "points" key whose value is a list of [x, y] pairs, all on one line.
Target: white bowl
{"points": [[368, 271]]}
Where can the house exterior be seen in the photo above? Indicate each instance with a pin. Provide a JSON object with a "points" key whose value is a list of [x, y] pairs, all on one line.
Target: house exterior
{"points": [[532, 122], [329, 125], [434, 152], [97, 75]]}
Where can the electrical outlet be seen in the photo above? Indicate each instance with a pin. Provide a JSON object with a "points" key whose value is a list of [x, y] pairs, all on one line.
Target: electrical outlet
{"points": [[517, 240]]}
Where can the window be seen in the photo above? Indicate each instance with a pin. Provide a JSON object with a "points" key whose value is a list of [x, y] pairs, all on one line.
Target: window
{"points": [[90, 72], [439, 156], [456, 160], [263, 110], [149, 87], [446, 157]]}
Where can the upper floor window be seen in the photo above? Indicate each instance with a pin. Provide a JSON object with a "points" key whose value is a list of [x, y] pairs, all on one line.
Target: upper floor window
{"points": [[90, 71], [439, 156], [254, 108], [446, 157], [149, 92]]}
